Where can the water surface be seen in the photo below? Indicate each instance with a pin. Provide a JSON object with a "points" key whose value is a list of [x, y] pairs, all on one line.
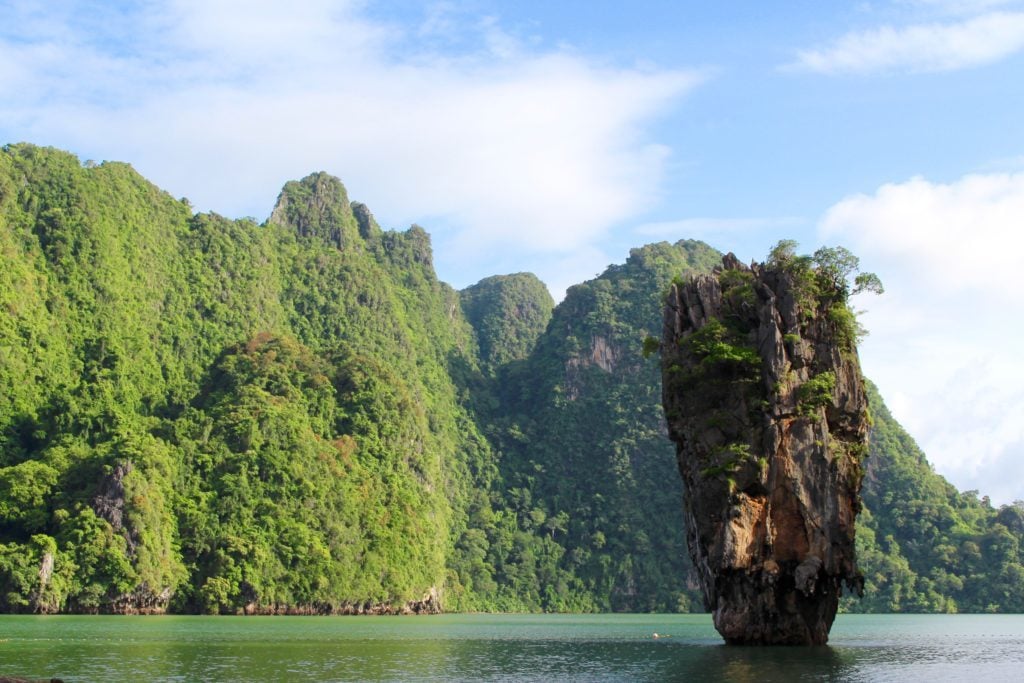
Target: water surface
{"points": [[931, 648]]}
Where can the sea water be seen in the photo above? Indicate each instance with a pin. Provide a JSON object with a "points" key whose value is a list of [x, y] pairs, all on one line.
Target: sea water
{"points": [[982, 648]]}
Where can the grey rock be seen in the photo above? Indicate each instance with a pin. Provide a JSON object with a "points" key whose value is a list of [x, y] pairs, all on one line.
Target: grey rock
{"points": [[772, 474]]}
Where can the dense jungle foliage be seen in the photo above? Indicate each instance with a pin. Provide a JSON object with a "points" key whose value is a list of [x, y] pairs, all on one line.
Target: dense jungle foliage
{"points": [[209, 415]]}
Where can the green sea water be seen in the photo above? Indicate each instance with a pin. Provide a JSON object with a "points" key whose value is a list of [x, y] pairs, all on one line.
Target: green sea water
{"points": [[983, 648]]}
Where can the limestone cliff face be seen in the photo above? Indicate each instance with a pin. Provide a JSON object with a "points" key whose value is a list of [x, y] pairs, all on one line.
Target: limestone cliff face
{"points": [[765, 401]]}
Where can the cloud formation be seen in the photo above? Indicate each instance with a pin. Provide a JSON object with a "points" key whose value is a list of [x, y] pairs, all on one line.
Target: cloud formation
{"points": [[503, 144], [931, 47], [944, 343], [713, 227]]}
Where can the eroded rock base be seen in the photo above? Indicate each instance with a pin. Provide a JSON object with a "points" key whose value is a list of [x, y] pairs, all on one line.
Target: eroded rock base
{"points": [[760, 609]]}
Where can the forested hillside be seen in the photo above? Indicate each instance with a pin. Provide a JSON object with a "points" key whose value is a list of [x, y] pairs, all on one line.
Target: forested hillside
{"points": [[211, 415], [584, 445], [200, 414], [923, 545]]}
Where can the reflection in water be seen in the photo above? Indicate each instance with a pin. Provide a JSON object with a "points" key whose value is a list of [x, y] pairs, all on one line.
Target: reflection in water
{"points": [[749, 664], [500, 648]]}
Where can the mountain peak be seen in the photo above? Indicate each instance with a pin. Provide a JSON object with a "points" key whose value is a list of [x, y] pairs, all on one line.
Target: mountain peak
{"points": [[317, 206]]}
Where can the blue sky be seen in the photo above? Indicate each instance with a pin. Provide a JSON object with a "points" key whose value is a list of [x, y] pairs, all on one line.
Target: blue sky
{"points": [[553, 136]]}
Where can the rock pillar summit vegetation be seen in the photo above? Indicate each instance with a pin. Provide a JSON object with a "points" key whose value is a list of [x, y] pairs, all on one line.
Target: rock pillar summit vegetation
{"points": [[766, 404]]}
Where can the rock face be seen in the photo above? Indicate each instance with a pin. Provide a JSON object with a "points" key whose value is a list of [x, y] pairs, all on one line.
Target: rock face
{"points": [[429, 604], [765, 402]]}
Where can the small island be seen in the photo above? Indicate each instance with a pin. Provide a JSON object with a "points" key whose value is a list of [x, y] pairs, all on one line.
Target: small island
{"points": [[766, 404]]}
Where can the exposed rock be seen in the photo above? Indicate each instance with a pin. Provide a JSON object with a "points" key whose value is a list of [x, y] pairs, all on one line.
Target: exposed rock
{"points": [[44, 599], [45, 574], [766, 404], [45, 570], [110, 500], [602, 354], [429, 604], [110, 504], [143, 600], [368, 227]]}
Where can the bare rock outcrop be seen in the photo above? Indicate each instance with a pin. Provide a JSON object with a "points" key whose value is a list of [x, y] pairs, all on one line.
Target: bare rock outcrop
{"points": [[765, 401], [430, 603], [111, 504]]}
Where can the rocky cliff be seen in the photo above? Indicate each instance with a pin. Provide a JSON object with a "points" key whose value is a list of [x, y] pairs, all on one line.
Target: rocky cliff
{"points": [[766, 405]]}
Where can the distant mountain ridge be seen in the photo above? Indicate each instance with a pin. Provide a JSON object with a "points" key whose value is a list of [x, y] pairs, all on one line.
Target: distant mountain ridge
{"points": [[200, 414]]}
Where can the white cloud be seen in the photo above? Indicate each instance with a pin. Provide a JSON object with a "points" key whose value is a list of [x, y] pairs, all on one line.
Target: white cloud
{"points": [[563, 271], [223, 102], [747, 238], [955, 237], [944, 342], [704, 228], [922, 47]]}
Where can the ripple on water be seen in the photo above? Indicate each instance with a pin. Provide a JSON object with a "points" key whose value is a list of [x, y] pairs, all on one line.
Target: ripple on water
{"points": [[501, 648]]}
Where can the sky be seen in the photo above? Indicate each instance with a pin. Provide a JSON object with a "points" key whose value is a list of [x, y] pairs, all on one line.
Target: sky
{"points": [[552, 137]]}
